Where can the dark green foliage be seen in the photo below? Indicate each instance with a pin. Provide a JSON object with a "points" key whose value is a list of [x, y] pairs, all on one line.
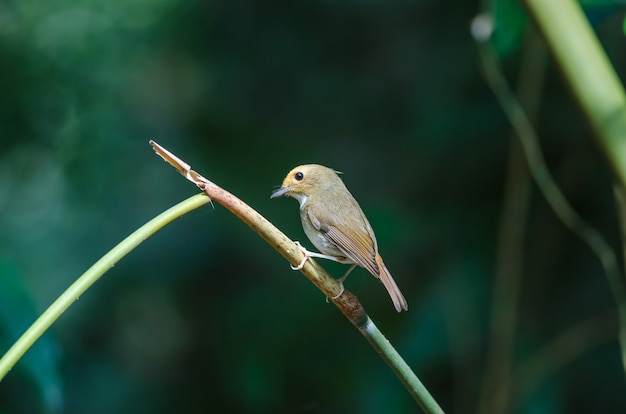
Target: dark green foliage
{"points": [[205, 317]]}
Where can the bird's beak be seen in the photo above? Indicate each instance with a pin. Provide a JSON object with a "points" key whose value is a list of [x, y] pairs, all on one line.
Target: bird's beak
{"points": [[280, 192]]}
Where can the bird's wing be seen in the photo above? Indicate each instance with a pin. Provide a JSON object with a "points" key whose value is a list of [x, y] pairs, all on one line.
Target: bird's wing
{"points": [[355, 240]]}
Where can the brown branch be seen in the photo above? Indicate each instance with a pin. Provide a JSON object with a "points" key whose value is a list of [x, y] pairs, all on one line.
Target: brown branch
{"points": [[347, 303]]}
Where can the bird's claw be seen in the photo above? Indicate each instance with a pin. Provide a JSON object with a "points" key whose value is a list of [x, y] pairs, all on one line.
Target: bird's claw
{"points": [[341, 292], [307, 254], [304, 259], [338, 294], [301, 265]]}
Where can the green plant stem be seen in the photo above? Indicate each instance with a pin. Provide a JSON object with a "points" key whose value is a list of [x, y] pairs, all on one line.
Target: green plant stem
{"points": [[509, 263], [601, 97], [399, 367], [84, 282], [550, 190], [587, 70]]}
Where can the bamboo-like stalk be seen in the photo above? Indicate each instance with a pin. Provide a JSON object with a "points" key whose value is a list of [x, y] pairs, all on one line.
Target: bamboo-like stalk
{"points": [[600, 95], [345, 301], [588, 72], [525, 131]]}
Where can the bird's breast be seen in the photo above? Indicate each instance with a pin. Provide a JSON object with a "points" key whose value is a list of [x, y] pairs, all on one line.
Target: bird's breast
{"points": [[317, 237]]}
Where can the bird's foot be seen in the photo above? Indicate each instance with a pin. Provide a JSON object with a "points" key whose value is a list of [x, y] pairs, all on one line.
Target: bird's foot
{"points": [[343, 289], [341, 279], [306, 253]]}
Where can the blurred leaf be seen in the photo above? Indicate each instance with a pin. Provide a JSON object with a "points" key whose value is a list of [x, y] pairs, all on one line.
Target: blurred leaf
{"points": [[387, 92], [598, 11], [510, 24]]}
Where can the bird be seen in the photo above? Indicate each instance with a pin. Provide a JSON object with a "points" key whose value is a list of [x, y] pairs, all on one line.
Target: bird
{"points": [[336, 225]]}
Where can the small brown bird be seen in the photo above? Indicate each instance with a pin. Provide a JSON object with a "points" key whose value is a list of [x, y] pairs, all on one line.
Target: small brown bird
{"points": [[336, 225]]}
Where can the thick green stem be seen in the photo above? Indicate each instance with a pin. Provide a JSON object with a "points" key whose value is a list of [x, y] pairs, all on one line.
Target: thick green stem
{"points": [[587, 70], [600, 94]]}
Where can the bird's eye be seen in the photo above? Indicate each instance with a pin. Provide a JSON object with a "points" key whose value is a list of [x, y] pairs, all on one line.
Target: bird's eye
{"points": [[299, 176]]}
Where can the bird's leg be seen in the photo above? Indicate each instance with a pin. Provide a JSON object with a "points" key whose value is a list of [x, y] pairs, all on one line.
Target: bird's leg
{"points": [[308, 254], [342, 278]]}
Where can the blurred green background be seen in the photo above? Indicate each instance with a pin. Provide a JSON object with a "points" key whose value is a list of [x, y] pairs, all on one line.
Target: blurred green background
{"points": [[204, 316]]}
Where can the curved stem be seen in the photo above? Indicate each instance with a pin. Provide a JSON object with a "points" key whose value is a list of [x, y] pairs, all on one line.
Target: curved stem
{"points": [[84, 282], [508, 269]]}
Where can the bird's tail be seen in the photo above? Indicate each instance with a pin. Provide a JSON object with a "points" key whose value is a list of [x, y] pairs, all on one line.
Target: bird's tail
{"points": [[394, 291]]}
